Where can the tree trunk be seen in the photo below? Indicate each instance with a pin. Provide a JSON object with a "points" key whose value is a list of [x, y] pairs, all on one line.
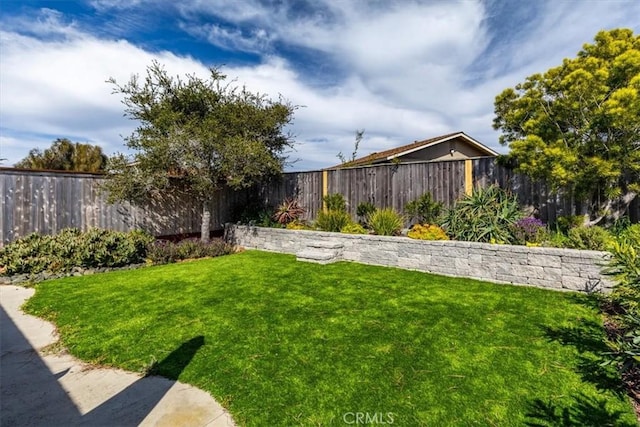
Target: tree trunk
{"points": [[205, 227], [612, 209]]}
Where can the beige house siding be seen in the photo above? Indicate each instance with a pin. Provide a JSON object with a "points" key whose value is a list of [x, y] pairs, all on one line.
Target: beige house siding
{"points": [[442, 151]]}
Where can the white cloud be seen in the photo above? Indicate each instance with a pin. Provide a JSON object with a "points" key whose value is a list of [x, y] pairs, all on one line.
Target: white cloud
{"points": [[404, 69]]}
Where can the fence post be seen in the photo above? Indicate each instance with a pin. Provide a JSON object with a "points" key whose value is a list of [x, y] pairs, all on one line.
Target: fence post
{"points": [[325, 188], [468, 177]]}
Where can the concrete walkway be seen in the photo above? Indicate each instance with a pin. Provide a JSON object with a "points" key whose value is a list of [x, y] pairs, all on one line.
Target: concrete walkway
{"points": [[52, 390]]}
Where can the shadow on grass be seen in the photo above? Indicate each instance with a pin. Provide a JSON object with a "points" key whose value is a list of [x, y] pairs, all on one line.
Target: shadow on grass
{"points": [[587, 337], [172, 366], [577, 411]]}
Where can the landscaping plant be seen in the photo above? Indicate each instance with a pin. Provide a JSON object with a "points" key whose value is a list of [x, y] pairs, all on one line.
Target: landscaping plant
{"points": [[164, 251], [298, 225], [364, 211], [424, 209], [353, 228], [529, 230], [288, 211], [486, 215], [386, 222], [95, 248], [332, 220], [335, 202], [623, 309], [427, 232]]}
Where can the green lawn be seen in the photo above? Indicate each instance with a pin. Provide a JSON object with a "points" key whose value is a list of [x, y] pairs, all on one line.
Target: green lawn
{"points": [[280, 342]]}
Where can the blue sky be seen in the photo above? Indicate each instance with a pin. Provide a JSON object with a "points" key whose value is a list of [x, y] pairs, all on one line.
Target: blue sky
{"points": [[402, 70]]}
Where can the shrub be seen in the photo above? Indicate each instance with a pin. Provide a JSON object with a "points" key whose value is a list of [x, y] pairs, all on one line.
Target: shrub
{"points": [[424, 209], [335, 202], [164, 251], [592, 238], [288, 211], [624, 266], [70, 248], [386, 222], [565, 223], [332, 220], [427, 232], [620, 225], [353, 228], [624, 341], [364, 211], [298, 225], [556, 239], [529, 230], [487, 215]]}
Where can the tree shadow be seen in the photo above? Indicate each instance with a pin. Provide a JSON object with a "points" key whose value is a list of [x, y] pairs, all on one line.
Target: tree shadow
{"points": [[587, 337], [576, 411], [31, 394]]}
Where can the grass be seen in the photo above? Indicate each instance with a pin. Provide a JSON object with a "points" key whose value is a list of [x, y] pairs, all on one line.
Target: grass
{"points": [[279, 342]]}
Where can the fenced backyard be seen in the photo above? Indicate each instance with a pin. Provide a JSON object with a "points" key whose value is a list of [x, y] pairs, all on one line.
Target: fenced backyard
{"points": [[48, 201]]}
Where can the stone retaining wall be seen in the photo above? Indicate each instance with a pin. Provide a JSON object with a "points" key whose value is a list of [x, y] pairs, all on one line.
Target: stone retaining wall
{"points": [[551, 268]]}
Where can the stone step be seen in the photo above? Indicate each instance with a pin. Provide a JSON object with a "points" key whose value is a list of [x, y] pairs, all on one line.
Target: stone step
{"points": [[320, 257], [321, 244]]}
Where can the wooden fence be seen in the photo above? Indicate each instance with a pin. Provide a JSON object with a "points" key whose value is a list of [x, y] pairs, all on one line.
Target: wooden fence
{"points": [[46, 201]]}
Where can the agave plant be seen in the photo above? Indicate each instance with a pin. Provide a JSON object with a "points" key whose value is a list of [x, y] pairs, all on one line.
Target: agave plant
{"points": [[288, 211], [487, 215]]}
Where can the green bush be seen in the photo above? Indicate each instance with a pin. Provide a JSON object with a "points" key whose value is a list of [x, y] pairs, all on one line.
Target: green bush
{"points": [[486, 215], [424, 209], [427, 232], [298, 225], [625, 268], [556, 239], [590, 238], [164, 251], [335, 202], [332, 220], [72, 248], [353, 228], [364, 211], [567, 222], [386, 222], [529, 231]]}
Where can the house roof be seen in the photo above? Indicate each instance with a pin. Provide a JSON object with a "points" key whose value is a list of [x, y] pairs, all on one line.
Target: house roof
{"points": [[393, 153]]}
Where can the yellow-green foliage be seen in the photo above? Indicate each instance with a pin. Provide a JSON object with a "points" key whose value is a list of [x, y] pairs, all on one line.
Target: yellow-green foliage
{"points": [[386, 222], [353, 228], [332, 220], [298, 225], [427, 232], [625, 267], [596, 95]]}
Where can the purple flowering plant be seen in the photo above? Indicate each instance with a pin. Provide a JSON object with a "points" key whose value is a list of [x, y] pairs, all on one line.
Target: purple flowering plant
{"points": [[529, 230]]}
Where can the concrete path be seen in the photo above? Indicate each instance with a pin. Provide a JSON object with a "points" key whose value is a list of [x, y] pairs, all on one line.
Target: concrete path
{"points": [[59, 390]]}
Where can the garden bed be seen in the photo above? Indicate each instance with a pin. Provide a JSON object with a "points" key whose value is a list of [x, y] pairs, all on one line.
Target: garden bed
{"points": [[550, 268]]}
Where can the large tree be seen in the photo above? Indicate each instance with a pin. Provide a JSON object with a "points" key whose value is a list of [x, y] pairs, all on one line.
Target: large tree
{"points": [[66, 155], [577, 126], [202, 133]]}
